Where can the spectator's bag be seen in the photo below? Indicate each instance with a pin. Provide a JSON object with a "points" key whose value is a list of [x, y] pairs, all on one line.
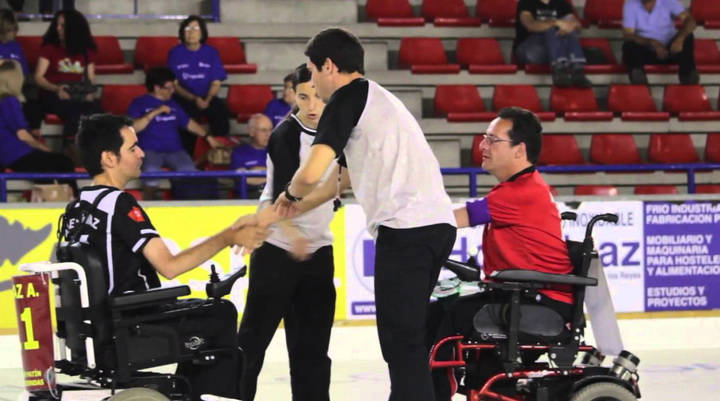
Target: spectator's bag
{"points": [[219, 156], [51, 193], [79, 90]]}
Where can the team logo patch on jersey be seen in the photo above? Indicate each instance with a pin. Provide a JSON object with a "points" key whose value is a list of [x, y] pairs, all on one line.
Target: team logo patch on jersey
{"points": [[136, 214]]}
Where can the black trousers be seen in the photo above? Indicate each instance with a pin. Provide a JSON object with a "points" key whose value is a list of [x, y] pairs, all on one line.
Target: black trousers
{"points": [[454, 315], [39, 161], [70, 111], [303, 295], [216, 113], [213, 327], [407, 264], [636, 56]]}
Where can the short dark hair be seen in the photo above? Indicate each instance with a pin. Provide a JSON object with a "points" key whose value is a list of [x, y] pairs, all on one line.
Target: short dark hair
{"points": [[340, 46], [100, 133], [158, 76], [78, 39], [8, 23], [525, 129], [300, 75], [288, 77], [186, 22]]}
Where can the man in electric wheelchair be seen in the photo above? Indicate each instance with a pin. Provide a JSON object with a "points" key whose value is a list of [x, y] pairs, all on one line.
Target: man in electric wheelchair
{"points": [[133, 326], [531, 302]]}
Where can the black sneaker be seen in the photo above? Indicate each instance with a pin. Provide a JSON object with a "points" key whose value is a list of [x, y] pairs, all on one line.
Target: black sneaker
{"points": [[638, 77], [579, 78], [561, 77], [690, 79]]}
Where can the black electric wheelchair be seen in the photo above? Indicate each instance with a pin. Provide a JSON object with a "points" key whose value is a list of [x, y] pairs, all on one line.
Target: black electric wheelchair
{"points": [[107, 340], [516, 334]]}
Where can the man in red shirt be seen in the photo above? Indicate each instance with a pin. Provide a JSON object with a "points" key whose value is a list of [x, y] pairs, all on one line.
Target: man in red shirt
{"points": [[522, 226]]}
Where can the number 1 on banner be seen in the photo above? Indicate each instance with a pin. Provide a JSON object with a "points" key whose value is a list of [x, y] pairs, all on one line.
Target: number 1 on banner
{"points": [[30, 343]]}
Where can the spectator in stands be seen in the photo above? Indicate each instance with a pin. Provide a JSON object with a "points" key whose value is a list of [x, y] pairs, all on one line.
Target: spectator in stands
{"points": [[547, 32], [20, 151], [199, 73], [158, 121], [66, 60], [253, 155], [651, 38], [278, 109]]}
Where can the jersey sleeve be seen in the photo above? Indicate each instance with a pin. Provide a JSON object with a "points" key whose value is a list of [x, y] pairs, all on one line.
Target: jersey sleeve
{"points": [[628, 16], [135, 110], [13, 115], [504, 207], [478, 212], [284, 152], [564, 9], [218, 70], [341, 115], [131, 224], [676, 8]]}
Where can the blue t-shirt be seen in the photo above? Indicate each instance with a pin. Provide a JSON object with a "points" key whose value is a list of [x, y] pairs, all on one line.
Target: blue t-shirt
{"points": [[247, 157], [195, 70], [162, 134], [12, 50], [276, 110], [659, 24], [12, 120]]}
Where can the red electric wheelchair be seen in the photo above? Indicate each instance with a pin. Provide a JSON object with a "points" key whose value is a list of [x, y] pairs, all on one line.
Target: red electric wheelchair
{"points": [[516, 334]]}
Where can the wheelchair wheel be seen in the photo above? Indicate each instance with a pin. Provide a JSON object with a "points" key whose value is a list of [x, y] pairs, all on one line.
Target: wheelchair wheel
{"points": [[603, 391], [138, 394]]}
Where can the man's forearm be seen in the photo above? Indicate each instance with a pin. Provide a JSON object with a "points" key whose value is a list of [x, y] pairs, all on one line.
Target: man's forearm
{"points": [[635, 38], [687, 28], [190, 258], [213, 91]]}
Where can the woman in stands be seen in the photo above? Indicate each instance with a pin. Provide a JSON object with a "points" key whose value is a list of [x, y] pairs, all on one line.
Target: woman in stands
{"points": [[199, 73], [66, 61], [19, 150]]}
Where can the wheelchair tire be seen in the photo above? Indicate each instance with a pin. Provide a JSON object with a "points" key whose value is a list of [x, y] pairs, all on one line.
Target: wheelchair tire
{"points": [[603, 391], [138, 394]]}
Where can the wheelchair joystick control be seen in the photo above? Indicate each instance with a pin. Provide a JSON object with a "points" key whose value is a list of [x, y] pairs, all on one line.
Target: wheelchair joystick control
{"points": [[625, 365], [213, 274]]}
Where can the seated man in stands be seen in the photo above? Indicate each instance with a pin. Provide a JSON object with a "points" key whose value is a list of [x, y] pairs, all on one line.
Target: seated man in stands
{"points": [[158, 121], [522, 230], [253, 155], [278, 109], [547, 32], [123, 235], [651, 38]]}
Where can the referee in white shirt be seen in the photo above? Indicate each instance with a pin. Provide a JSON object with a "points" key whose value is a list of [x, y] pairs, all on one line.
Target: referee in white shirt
{"points": [[396, 179]]}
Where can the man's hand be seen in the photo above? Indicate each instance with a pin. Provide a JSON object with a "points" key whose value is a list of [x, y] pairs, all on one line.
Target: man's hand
{"points": [[201, 103], [564, 27], [164, 109], [660, 50], [677, 45], [285, 207], [250, 237], [62, 93], [246, 220], [214, 143]]}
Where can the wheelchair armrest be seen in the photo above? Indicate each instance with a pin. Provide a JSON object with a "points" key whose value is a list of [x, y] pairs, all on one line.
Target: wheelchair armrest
{"points": [[148, 298], [534, 276], [463, 271]]}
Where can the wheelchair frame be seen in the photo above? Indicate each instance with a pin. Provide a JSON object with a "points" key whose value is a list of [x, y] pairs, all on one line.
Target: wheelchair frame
{"points": [[562, 354]]}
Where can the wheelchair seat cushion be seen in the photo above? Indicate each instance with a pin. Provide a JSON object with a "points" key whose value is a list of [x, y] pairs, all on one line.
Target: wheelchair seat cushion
{"points": [[537, 323]]}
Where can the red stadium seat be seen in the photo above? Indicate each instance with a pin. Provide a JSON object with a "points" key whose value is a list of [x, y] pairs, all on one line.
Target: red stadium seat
{"points": [[712, 148], [707, 56], [577, 104], [707, 189], [604, 13], [477, 153], [448, 13], [597, 190], [655, 190], [560, 150], [31, 49], [392, 13], [152, 51], [110, 58], [634, 103], [610, 66], [672, 148], [497, 12], [482, 56], [425, 56], [706, 12], [246, 100], [460, 103], [523, 96], [116, 99], [614, 149], [232, 55], [689, 102]]}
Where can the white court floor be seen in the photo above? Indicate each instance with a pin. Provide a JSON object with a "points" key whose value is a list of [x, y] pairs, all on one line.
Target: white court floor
{"points": [[359, 374]]}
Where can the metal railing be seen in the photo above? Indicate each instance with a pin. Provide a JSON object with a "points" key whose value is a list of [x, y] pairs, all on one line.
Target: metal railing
{"points": [[470, 172]]}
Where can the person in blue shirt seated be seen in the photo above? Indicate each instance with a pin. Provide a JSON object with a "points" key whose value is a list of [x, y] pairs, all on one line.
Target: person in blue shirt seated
{"points": [[20, 151], [158, 121], [253, 155], [278, 109], [199, 73]]}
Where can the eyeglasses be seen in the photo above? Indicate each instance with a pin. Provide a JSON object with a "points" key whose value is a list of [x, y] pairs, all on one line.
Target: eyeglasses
{"points": [[492, 139], [192, 28]]}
